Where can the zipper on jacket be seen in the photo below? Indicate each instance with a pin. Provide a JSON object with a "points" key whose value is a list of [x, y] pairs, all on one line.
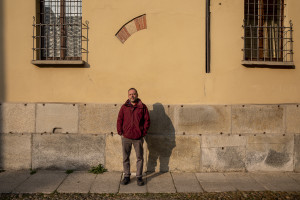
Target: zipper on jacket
{"points": [[132, 110]]}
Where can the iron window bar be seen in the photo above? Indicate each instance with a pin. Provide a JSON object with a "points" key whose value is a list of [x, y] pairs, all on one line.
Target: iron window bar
{"points": [[58, 31], [265, 36]]}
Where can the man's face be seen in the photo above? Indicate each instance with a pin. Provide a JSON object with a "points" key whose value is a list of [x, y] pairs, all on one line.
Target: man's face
{"points": [[132, 95]]}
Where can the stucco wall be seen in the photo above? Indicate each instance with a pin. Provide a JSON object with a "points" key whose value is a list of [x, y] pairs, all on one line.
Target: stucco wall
{"points": [[165, 62]]}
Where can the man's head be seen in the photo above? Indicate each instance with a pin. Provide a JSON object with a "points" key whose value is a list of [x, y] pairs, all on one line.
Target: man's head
{"points": [[132, 95]]}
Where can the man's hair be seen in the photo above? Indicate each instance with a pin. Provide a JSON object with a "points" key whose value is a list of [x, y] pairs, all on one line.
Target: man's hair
{"points": [[133, 89]]}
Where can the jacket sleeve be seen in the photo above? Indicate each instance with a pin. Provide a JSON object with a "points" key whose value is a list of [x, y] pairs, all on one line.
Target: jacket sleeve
{"points": [[146, 120], [120, 121]]}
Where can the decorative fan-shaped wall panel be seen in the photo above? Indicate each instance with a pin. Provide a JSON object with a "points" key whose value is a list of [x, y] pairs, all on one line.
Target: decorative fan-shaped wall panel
{"points": [[134, 25]]}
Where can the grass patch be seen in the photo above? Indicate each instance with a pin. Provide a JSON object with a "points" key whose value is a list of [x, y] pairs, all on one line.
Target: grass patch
{"points": [[33, 171], [69, 171], [98, 169]]}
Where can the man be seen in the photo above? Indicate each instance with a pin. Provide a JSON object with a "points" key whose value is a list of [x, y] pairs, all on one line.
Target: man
{"points": [[133, 124]]}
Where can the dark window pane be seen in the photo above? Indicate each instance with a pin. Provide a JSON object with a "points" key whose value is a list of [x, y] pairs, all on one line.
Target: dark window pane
{"points": [[264, 31]]}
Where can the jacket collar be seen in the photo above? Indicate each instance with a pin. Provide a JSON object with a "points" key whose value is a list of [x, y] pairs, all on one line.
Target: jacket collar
{"points": [[139, 103]]}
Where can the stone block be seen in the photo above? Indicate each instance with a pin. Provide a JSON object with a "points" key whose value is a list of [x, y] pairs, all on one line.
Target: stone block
{"points": [[98, 118], [42, 182], [214, 182], [270, 153], [9, 180], [297, 153], [77, 182], [223, 141], [17, 118], [257, 119], [193, 119], [186, 183], [276, 181], [160, 183], [162, 119], [211, 177], [269, 138], [292, 118], [114, 156], [67, 151], [295, 176], [173, 153], [61, 117], [223, 153], [108, 182], [243, 182], [15, 151], [219, 159]]}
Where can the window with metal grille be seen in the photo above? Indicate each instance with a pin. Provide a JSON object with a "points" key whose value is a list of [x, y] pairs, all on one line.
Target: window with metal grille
{"points": [[266, 38], [58, 33]]}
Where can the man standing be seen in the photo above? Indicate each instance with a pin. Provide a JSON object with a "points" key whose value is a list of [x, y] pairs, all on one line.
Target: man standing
{"points": [[133, 124]]}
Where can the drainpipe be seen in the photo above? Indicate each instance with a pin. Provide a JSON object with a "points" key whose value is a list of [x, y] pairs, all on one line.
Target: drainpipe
{"points": [[207, 38]]}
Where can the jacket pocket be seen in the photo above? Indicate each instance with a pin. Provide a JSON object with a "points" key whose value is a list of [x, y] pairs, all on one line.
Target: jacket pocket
{"points": [[140, 113], [126, 128]]}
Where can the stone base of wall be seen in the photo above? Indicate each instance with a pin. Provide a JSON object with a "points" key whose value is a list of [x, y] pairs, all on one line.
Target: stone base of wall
{"points": [[183, 138]]}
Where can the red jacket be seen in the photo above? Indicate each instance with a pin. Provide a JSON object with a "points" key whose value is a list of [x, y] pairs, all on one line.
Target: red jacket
{"points": [[133, 120]]}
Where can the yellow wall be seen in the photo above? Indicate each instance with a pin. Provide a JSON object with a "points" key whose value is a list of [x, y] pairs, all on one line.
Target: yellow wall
{"points": [[165, 62]]}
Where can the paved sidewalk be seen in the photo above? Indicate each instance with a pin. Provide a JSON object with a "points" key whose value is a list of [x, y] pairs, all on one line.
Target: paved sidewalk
{"points": [[45, 181]]}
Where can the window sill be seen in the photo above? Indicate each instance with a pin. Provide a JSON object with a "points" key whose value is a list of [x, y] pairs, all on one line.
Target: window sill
{"points": [[269, 64], [59, 63]]}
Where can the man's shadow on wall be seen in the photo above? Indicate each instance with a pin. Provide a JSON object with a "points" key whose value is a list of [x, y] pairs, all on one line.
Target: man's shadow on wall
{"points": [[160, 140]]}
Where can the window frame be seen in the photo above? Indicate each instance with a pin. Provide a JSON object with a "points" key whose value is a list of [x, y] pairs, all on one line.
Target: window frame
{"points": [[77, 45], [264, 55]]}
